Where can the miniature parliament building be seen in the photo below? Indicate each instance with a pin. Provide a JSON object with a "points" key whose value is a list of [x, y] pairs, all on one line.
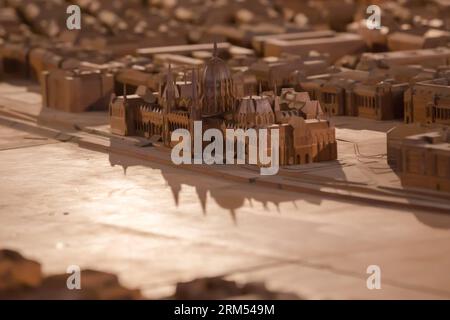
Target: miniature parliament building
{"points": [[305, 136]]}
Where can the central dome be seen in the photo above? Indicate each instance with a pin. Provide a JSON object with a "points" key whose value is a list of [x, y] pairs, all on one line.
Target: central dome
{"points": [[217, 87]]}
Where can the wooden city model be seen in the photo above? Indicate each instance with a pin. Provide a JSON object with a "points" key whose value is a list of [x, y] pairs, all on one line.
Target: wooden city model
{"points": [[304, 137], [357, 116], [297, 78]]}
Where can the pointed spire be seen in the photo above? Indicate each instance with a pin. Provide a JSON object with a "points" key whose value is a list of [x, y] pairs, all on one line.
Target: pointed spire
{"points": [[317, 110], [124, 92], [276, 98], [170, 90], [194, 107], [194, 85], [170, 81], [215, 53], [260, 88], [215, 91], [169, 72]]}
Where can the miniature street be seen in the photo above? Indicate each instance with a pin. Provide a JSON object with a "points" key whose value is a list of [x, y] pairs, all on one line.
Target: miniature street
{"points": [[155, 225]]}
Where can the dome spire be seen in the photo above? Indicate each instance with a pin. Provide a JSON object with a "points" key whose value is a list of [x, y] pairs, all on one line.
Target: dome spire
{"points": [[170, 90], [217, 96], [195, 102], [215, 54], [169, 72]]}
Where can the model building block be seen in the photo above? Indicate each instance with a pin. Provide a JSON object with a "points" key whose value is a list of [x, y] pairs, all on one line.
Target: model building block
{"points": [[61, 90], [431, 58], [421, 159], [398, 41], [14, 59], [374, 95], [336, 46], [428, 102], [259, 42]]}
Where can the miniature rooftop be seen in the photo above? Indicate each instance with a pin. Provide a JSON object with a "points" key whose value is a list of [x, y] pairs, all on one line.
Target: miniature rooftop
{"points": [[438, 140]]}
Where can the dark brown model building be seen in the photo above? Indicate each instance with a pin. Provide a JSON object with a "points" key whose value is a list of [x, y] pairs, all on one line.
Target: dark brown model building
{"points": [[336, 45], [304, 137], [76, 90], [428, 102], [358, 93], [414, 40], [431, 58], [421, 155]]}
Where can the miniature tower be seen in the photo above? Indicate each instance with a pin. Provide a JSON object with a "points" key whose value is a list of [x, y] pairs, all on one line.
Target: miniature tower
{"points": [[195, 107], [217, 84], [127, 112], [195, 111], [276, 105], [168, 102], [170, 92], [317, 111], [215, 56]]}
